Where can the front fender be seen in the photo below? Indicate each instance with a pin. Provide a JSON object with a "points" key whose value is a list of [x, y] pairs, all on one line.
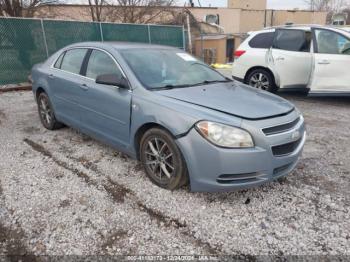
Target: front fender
{"points": [[176, 116]]}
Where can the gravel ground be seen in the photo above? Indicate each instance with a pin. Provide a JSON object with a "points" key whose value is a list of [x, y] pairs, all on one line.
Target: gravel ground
{"points": [[64, 193]]}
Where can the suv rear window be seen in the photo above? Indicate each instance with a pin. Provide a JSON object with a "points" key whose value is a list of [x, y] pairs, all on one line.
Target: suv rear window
{"points": [[292, 40], [263, 40]]}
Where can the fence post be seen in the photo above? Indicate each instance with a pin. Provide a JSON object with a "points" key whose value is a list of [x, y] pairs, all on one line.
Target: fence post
{"points": [[183, 38], [149, 34], [101, 32], [44, 35]]}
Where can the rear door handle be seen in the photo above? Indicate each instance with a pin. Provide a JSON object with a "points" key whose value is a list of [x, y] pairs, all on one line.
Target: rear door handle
{"points": [[51, 76], [84, 86], [324, 62], [280, 58]]}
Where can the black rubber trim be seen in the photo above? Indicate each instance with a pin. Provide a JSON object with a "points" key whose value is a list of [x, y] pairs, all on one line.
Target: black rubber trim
{"points": [[280, 128], [238, 79], [286, 149], [85, 62]]}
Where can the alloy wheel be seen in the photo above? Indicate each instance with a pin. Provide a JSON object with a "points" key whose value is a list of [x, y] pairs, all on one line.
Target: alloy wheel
{"points": [[159, 159], [45, 110], [260, 81]]}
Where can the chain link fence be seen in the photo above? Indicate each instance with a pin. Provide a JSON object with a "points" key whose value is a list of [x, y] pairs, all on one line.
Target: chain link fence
{"points": [[25, 42]]}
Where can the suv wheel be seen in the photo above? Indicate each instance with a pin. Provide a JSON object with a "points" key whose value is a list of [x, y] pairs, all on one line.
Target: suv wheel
{"points": [[262, 79], [162, 159]]}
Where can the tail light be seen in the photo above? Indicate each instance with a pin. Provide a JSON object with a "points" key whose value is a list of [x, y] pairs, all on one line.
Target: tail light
{"points": [[239, 53]]}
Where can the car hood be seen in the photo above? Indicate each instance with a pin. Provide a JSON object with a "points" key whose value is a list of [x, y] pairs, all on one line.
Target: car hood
{"points": [[234, 99]]}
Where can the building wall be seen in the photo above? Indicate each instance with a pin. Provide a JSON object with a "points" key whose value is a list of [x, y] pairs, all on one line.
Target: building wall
{"points": [[251, 20], [247, 4], [218, 44], [229, 18], [281, 17], [64, 12], [238, 21]]}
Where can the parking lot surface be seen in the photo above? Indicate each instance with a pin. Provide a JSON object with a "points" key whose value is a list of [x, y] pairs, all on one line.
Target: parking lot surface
{"points": [[64, 193]]}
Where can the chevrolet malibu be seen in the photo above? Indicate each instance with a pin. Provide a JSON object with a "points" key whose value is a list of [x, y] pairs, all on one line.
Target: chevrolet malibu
{"points": [[184, 121]]}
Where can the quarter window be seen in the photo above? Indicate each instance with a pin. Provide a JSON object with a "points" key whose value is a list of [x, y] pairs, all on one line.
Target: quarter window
{"points": [[292, 40], [101, 63], [59, 61], [263, 40], [73, 60], [330, 42]]}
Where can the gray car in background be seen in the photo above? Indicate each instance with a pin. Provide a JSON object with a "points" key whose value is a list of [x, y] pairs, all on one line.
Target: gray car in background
{"points": [[183, 120]]}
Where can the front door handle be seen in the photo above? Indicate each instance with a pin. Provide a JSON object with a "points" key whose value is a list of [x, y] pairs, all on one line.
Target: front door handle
{"points": [[280, 58], [84, 86], [324, 62], [51, 76]]}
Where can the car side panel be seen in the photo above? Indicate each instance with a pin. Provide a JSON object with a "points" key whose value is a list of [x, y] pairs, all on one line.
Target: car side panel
{"points": [[253, 58]]}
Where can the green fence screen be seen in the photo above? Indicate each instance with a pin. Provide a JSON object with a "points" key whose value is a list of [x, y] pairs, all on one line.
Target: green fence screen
{"points": [[21, 46], [25, 42], [125, 32], [62, 33]]}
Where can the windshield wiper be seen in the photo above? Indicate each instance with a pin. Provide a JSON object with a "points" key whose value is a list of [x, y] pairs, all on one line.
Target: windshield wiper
{"points": [[168, 87], [207, 82]]}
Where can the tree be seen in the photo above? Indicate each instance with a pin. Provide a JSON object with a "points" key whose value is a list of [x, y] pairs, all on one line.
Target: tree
{"points": [[96, 9], [327, 5], [141, 11], [20, 8]]}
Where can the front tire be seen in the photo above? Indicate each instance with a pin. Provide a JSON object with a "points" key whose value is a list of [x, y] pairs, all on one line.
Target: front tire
{"points": [[46, 113], [162, 159], [262, 79]]}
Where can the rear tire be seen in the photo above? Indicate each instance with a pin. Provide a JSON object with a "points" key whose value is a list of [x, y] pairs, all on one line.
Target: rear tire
{"points": [[262, 79], [46, 113], [162, 159]]}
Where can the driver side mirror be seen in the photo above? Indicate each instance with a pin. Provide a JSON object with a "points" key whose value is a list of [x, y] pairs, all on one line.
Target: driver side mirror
{"points": [[112, 80]]}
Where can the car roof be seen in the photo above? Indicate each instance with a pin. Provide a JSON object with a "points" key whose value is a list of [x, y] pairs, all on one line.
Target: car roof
{"points": [[120, 45], [305, 27]]}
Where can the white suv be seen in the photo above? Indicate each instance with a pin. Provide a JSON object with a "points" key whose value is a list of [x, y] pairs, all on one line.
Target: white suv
{"points": [[313, 57]]}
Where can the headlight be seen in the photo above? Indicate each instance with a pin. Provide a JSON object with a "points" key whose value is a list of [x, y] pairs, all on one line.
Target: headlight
{"points": [[224, 135]]}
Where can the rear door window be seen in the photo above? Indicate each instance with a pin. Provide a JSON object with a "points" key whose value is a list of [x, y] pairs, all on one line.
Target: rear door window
{"points": [[263, 40], [73, 60], [292, 40]]}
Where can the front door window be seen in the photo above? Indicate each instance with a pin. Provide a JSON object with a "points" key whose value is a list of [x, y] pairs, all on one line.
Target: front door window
{"points": [[330, 42]]}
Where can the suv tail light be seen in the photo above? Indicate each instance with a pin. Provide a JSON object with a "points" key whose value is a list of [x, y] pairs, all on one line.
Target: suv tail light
{"points": [[239, 53]]}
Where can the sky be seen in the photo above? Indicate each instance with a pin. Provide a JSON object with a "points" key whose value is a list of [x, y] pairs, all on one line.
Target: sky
{"points": [[275, 4]]}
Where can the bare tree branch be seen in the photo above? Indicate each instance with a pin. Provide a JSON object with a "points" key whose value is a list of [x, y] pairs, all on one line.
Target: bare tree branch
{"points": [[21, 8], [327, 5], [96, 9], [140, 11]]}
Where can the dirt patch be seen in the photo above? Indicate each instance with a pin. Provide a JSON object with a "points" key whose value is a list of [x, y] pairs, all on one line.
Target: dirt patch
{"points": [[160, 217], [88, 164], [116, 191], [38, 148], [45, 152], [15, 89], [2, 116], [114, 238], [31, 130], [64, 203], [12, 246]]}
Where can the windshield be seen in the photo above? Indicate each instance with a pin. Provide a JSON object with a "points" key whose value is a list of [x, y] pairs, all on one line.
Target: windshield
{"points": [[164, 68]]}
